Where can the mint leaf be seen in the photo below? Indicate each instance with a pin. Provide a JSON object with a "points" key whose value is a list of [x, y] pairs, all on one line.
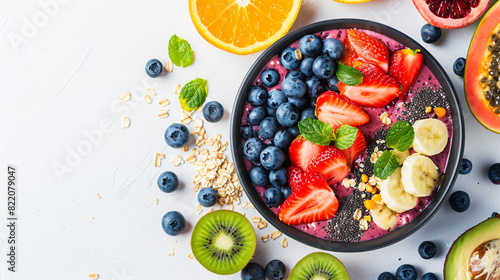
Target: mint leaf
{"points": [[385, 165], [346, 135], [400, 136], [180, 52], [348, 75], [316, 131], [193, 94]]}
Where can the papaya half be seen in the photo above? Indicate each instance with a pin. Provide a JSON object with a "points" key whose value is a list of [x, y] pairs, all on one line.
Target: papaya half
{"points": [[482, 71]]}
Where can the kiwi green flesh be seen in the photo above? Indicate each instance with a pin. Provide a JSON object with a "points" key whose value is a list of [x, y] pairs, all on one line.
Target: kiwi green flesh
{"points": [[319, 266], [223, 241]]}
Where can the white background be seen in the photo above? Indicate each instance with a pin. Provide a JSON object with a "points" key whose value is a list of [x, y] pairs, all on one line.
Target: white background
{"points": [[62, 79]]}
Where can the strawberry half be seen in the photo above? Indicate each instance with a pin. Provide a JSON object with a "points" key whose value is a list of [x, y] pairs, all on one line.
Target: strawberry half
{"points": [[331, 163], [357, 148], [301, 152], [376, 90], [313, 201], [336, 110], [405, 66], [295, 177], [367, 49]]}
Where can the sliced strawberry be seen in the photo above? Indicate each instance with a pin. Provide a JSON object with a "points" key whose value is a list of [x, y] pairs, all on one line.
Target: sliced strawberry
{"points": [[376, 90], [357, 148], [337, 110], [331, 163], [368, 49], [313, 201], [405, 66], [302, 152], [295, 177]]}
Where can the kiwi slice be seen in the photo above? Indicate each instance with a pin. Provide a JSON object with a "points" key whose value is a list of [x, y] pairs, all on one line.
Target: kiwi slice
{"points": [[223, 241], [319, 266]]}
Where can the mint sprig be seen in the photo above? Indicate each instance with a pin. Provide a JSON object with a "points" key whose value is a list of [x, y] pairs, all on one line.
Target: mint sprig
{"points": [[180, 52], [399, 137], [316, 131], [322, 134], [348, 75], [193, 94]]}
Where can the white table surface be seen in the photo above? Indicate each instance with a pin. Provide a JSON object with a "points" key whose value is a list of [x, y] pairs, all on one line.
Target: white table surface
{"points": [[61, 79]]}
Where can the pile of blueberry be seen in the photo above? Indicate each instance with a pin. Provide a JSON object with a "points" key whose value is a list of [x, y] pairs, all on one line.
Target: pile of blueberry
{"points": [[426, 250], [275, 270], [272, 122]]}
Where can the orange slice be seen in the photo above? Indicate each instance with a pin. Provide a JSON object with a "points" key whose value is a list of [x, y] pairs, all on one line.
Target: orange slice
{"points": [[243, 26]]}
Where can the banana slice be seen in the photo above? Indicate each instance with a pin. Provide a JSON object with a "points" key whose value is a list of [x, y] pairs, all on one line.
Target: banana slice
{"points": [[431, 136], [401, 156], [384, 217], [419, 175], [394, 195]]}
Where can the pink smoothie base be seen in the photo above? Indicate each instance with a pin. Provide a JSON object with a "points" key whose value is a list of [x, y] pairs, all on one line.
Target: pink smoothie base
{"points": [[394, 109]]}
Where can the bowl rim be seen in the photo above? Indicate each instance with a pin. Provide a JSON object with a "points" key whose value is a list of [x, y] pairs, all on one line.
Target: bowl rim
{"points": [[454, 159]]}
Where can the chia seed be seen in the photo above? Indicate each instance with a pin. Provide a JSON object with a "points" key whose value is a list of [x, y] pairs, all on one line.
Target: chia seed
{"points": [[415, 109]]}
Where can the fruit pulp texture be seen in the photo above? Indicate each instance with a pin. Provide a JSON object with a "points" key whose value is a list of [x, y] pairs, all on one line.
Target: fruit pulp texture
{"points": [[452, 8], [394, 109], [490, 71]]}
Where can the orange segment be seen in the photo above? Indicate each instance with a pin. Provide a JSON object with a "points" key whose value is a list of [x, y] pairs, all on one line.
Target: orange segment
{"points": [[243, 26]]}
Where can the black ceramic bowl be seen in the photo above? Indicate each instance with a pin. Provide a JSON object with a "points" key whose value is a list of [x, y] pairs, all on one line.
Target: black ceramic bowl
{"points": [[454, 160]]}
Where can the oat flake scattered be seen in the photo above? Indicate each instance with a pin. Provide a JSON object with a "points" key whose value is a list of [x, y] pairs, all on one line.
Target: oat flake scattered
{"points": [[125, 122], [126, 97], [94, 276]]}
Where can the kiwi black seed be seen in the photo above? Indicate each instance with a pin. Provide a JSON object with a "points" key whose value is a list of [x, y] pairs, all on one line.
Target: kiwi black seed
{"points": [[319, 266], [223, 241]]}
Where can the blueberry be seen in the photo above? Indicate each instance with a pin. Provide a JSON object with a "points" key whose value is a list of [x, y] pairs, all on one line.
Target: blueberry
{"points": [[282, 139], [459, 201], [256, 115], [259, 176], [275, 270], [386, 276], [252, 149], [271, 112], [278, 177], [465, 166], [272, 158], [494, 214], [270, 77], [493, 172], [207, 197], [312, 102], [173, 223], [268, 127], [332, 83], [257, 96], [459, 66], [288, 59], [308, 113], [406, 272], [293, 88], [294, 131], [275, 98], [287, 114], [253, 271], [168, 182], [314, 86], [154, 68], [286, 190], [427, 250], [429, 276], [310, 45], [273, 197], [430, 34], [247, 131], [333, 48], [296, 75], [300, 103], [213, 111], [306, 66], [177, 135], [324, 67]]}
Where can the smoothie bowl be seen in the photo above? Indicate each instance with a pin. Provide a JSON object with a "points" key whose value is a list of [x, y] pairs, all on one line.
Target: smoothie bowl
{"points": [[345, 137]]}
